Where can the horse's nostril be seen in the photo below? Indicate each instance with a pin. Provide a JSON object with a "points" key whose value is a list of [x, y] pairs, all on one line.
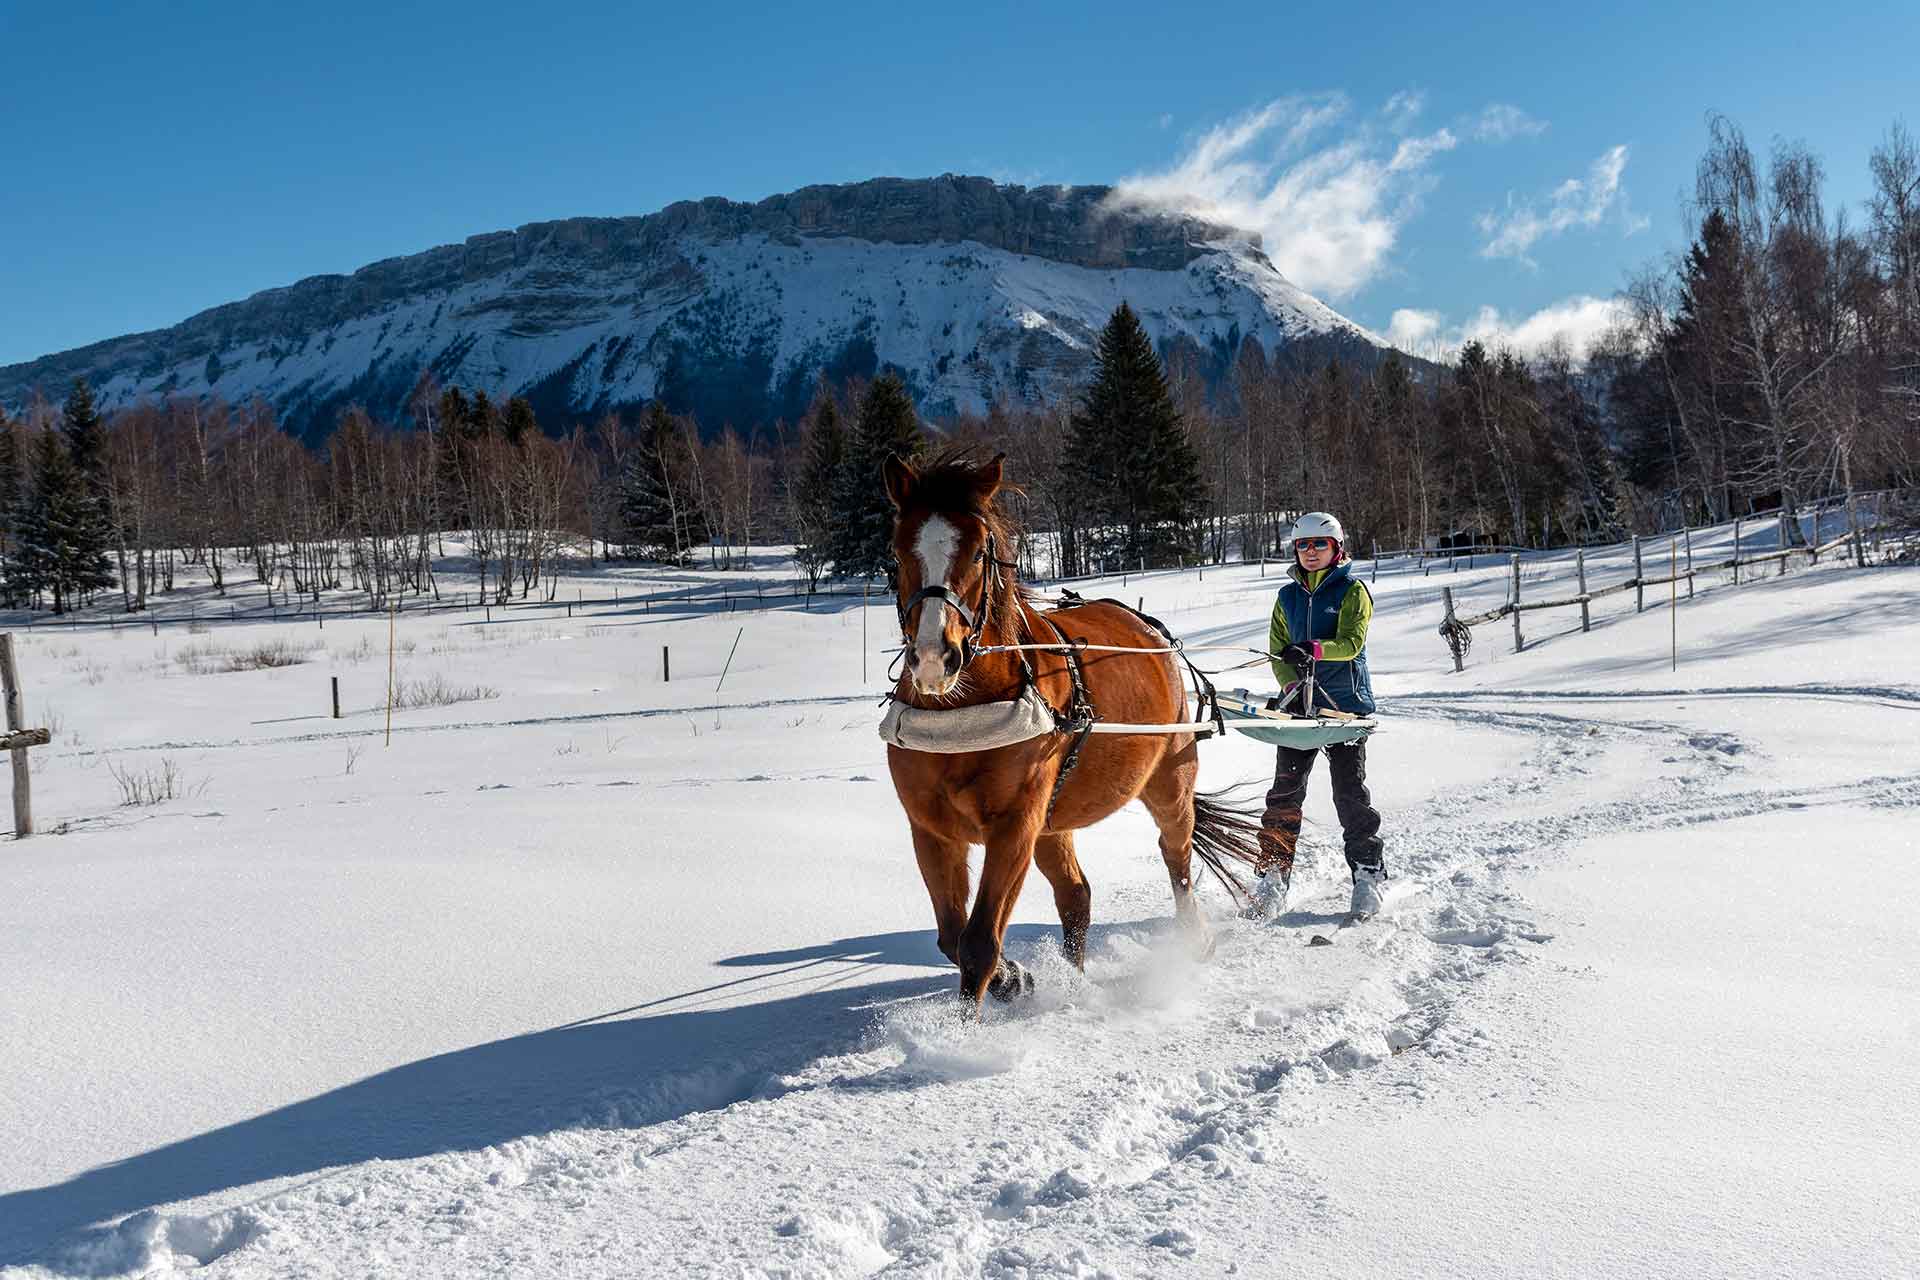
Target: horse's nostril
{"points": [[952, 661]]}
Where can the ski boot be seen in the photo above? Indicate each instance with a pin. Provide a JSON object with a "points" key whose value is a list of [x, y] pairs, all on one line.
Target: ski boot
{"points": [[1367, 897], [1268, 901]]}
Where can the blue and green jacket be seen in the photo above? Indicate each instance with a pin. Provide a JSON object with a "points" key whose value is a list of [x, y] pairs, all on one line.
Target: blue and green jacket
{"points": [[1328, 612]]}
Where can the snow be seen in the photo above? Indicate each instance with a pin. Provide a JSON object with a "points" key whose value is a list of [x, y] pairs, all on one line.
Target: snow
{"points": [[609, 976], [949, 314]]}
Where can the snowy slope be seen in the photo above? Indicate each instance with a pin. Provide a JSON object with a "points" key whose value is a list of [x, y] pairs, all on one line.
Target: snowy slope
{"points": [[593, 978], [733, 310]]}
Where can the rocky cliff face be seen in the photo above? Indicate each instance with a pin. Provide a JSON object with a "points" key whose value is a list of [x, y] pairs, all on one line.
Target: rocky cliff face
{"points": [[971, 289]]}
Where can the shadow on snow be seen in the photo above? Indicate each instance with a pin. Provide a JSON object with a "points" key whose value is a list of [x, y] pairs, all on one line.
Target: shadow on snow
{"points": [[648, 1063]]}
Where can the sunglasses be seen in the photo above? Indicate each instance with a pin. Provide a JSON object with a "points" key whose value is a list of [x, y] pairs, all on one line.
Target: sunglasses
{"points": [[1313, 544]]}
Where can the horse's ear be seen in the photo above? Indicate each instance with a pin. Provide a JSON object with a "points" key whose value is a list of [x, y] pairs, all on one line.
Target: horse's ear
{"points": [[987, 478], [900, 477]]}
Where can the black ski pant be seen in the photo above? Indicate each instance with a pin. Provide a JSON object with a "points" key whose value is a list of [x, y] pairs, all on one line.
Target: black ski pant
{"points": [[1359, 820]]}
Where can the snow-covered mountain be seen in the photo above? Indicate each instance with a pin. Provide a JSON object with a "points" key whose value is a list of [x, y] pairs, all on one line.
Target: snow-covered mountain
{"points": [[971, 289]]}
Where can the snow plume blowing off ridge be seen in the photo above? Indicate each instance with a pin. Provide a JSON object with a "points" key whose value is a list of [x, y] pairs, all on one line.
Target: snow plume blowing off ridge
{"points": [[1327, 197]]}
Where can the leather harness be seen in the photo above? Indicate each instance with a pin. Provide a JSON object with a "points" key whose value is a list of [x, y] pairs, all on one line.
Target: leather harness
{"points": [[1077, 721]]}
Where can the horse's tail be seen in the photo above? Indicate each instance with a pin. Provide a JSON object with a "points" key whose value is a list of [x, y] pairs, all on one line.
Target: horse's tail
{"points": [[1225, 833]]}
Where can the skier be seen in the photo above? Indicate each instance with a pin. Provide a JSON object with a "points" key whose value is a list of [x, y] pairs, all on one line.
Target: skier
{"points": [[1320, 627]]}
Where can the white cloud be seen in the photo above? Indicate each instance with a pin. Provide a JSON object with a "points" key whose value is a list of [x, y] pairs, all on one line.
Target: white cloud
{"points": [[1414, 331], [1404, 107], [1502, 122], [1328, 206], [1577, 321], [1575, 203]]}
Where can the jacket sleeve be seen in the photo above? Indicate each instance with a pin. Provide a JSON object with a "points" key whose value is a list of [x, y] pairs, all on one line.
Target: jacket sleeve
{"points": [[1350, 630], [1277, 639]]}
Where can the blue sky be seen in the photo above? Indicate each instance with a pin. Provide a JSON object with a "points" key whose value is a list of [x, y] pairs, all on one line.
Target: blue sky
{"points": [[1409, 163]]}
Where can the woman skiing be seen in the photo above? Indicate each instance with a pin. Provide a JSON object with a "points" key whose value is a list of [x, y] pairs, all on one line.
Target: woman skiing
{"points": [[1320, 629]]}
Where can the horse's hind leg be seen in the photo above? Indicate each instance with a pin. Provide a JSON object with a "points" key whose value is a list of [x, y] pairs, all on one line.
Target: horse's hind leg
{"points": [[1053, 854], [1168, 796], [943, 865]]}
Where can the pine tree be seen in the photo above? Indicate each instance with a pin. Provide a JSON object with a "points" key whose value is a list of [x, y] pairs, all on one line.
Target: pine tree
{"points": [[482, 419], [519, 424], [862, 517], [453, 411], [659, 519], [86, 437], [1137, 474], [449, 463], [92, 515], [813, 487], [55, 526], [11, 482]]}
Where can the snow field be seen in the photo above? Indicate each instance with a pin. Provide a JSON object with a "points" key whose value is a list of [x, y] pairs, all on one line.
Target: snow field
{"points": [[571, 981]]}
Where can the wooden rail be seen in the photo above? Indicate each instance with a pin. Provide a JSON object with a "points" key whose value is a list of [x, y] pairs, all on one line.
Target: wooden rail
{"points": [[1514, 606]]}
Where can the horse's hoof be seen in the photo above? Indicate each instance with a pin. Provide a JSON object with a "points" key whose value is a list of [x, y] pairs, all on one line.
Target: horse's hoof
{"points": [[1203, 950], [1010, 983]]}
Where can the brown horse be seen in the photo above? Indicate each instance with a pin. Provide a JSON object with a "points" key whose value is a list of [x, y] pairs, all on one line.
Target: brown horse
{"points": [[957, 596]]}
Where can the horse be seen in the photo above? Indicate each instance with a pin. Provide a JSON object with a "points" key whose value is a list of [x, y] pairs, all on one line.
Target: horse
{"points": [[957, 600]]}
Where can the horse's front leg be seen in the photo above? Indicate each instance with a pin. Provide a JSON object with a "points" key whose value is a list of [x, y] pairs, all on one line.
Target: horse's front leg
{"points": [[943, 865], [983, 969]]}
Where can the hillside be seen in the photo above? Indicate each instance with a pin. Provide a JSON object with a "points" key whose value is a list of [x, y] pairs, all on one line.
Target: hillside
{"points": [[973, 290]]}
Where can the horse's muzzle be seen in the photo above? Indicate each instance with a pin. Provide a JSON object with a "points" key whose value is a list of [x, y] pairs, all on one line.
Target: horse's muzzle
{"points": [[935, 673]]}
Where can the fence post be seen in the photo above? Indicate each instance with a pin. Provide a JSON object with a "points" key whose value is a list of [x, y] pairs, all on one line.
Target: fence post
{"points": [[1813, 543], [1782, 521], [1446, 594], [1688, 535], [336, 697], [666, 665], [1736, 551], [1853, 524], [1580, 567], [1639, 579], [1673, 596], [22, 775], [1516, 604]]}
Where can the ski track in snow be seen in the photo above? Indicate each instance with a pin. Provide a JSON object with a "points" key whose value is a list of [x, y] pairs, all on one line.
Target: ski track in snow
{"points": [[1101, 1112]]}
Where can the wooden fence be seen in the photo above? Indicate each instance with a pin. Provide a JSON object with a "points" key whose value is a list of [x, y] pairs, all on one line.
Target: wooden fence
{"points": [[1454, 627]]}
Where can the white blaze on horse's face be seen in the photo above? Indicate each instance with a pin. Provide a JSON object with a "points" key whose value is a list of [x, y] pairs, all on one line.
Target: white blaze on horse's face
{"points": [[935, 547]]}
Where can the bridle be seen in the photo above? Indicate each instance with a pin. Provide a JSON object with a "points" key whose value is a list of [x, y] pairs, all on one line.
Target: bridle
{"points": [[975, 618]]}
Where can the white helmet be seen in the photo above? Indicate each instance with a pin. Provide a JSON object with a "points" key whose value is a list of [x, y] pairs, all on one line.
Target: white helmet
{"points": [[1318, 524]]}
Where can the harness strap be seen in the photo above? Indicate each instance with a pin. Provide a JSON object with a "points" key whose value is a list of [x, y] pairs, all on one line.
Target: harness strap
{"points": [[1203, 690], [1077, 722], [976, 619]]}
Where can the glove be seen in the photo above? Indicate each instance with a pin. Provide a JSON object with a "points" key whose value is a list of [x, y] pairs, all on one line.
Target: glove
{"points": [[1296, 657]]}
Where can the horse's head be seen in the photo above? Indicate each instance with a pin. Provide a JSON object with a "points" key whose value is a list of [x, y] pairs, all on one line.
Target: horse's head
{"points": [[944, 543]]}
